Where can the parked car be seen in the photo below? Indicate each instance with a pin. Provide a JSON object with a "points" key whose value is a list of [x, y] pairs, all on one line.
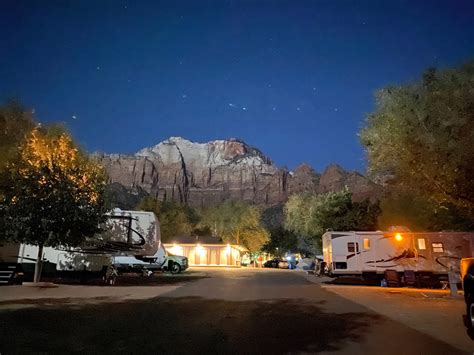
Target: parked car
{"points": [[272, 263], [276, 263], [467, 277]]}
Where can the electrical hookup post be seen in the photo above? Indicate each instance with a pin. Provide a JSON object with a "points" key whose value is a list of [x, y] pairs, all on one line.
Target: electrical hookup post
{"points": [[453, 279]]}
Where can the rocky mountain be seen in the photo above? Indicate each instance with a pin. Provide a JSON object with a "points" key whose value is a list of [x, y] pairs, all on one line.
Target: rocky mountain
{"points": [[203, 174]]}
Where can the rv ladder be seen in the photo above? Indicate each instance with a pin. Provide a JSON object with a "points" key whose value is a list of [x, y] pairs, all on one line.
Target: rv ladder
{"points": [[6, 273]]}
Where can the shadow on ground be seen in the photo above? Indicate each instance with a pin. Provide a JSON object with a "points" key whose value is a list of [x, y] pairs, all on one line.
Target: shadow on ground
{"points": [[181, 325], [130, 280]]}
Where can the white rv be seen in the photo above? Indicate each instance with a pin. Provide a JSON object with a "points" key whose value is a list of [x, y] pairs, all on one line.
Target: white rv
{"points": [[130, 236], [371, 253]]}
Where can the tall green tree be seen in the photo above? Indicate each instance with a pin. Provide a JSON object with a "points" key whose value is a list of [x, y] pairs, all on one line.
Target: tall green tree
{"points": [[176, 219], [273, 217], [420, 138], [15, 124], [281, 240], [404, 207], [52, 194], [311, 215], [237, 222]]}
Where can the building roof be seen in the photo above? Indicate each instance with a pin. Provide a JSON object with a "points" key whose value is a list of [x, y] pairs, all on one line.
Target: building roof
{"points": [[206, 239]]}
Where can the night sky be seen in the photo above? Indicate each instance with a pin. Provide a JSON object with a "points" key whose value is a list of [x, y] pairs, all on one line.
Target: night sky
{"points": [[293, 78]]}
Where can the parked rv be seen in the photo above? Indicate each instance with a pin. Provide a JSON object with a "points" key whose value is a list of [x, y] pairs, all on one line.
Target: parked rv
{"points": [[127, 234], [370, 254]]}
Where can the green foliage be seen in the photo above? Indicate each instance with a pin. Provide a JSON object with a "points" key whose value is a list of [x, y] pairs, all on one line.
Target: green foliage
{"points": [[273, 217], [52, 194], [15, 124], [281, 241], [421, 137], [311, 215], [175, 219], [297, 214], [236, 222], [407, 208]]}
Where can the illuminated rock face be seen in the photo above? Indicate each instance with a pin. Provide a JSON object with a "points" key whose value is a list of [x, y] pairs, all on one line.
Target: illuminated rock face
{"points": [[204, 174]]}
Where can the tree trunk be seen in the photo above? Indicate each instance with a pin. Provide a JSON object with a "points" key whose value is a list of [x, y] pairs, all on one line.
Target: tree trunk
{"points": [[39, 264]]}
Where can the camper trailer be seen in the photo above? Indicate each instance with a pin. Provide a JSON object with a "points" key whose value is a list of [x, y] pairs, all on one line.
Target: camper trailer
{"points": [[371, 253], [127, 234]]}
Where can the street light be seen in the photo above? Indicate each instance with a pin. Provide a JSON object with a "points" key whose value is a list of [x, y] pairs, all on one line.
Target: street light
{"points": [[398, 237]]}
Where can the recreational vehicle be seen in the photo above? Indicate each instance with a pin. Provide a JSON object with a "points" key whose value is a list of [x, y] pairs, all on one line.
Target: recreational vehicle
{"points": [[133, 235], [371, 253]]}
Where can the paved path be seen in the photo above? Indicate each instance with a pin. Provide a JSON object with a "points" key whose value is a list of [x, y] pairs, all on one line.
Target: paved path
{"points": [[232, 311], [432, 312]]}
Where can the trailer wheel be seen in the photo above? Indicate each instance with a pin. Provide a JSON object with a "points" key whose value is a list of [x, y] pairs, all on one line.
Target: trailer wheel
{"points": [[175, 268], [110, 275], [470, 312]]}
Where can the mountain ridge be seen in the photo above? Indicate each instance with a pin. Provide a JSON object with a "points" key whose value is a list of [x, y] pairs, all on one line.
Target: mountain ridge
{"points": [[204, 174]]}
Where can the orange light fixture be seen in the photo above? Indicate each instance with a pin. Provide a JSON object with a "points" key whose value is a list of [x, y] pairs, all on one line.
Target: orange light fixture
{"points": [[398, 237]]}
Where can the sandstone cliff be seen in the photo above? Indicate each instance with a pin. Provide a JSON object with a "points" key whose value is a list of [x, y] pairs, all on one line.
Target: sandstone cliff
{"points": [[203, 174]]}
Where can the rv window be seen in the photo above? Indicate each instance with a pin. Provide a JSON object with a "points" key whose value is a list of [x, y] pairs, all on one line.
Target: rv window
{"points": [[421, 244], [437, 247], [352, 247], [366, 243], [340, 265]]}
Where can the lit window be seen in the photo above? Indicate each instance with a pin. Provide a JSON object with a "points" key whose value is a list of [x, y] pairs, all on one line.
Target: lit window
{"points": [[437, 247], [366, 243], [422, 245]]}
